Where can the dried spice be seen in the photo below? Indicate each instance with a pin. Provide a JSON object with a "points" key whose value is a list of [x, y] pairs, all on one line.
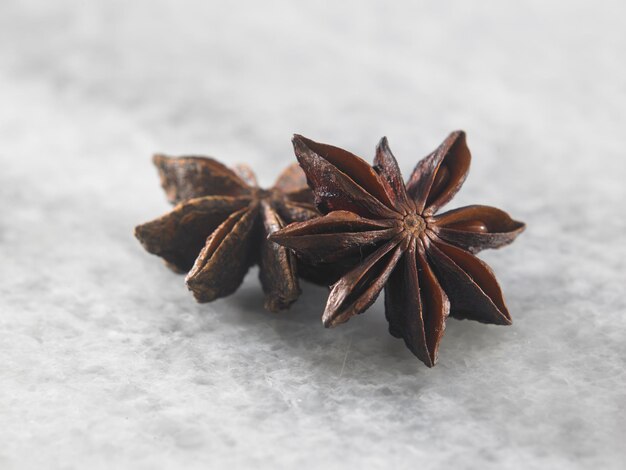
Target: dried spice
{"points": [[425, 262], [220, 224]]}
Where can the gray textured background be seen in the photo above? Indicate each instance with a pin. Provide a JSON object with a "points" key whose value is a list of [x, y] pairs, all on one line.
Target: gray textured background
{"points": [[105, 359]]}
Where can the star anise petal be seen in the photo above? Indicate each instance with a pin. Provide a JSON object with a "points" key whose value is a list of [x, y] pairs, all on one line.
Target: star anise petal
{"points": [[246, 173], [363, 192], [358, 169], [208, 280], [435, 304], [277, 266], [470, 284], [292, 179], [387, 166], [475, 228], [185, 178], [404, 312], [179, 235], [416, 306], [439, 176], [335, 236], [359, 288]]}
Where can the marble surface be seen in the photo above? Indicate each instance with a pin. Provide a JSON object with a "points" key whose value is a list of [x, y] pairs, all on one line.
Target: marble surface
{"points": [[107, 362]]}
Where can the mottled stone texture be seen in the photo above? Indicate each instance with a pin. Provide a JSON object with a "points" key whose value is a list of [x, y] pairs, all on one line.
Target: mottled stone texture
{"points": [[107, 361]]}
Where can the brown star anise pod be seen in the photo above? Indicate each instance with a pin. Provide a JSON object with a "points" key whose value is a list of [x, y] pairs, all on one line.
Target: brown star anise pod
{"points": [[424, 261], [220, 225]]}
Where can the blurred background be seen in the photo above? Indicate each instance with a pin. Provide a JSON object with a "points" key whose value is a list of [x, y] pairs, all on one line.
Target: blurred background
{"points": [[106, 360]]}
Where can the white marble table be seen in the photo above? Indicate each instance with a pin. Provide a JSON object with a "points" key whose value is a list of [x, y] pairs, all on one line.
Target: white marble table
{"points": [[107, 362]]}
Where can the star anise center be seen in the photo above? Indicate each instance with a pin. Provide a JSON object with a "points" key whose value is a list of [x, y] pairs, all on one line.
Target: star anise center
{"points": [[413, 225]]}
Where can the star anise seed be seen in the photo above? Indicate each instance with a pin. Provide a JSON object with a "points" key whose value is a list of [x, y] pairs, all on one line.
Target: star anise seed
{"points": [[424, 261], [220, 224]]}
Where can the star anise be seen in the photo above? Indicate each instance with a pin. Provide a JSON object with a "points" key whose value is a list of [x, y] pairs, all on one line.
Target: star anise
{"points": [[424, 261], [220, 225]]}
